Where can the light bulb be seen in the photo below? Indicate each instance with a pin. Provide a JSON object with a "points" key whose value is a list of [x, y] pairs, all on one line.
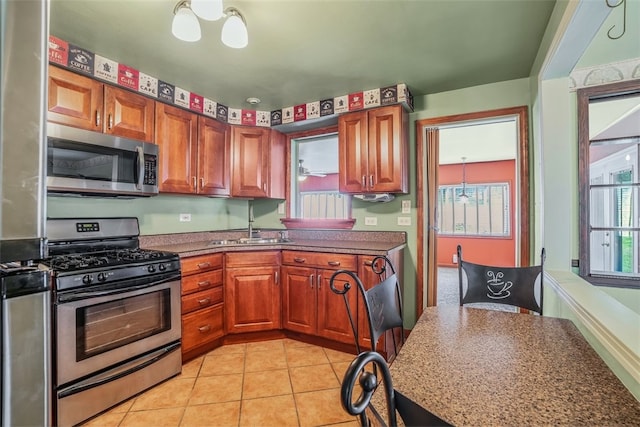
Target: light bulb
{"points": [[185, 25], [210, 10], [464, 199], [234, 31]]}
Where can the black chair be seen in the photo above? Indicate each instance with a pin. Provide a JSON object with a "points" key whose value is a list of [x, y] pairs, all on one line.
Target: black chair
{"points": [[515, 286], [382, 302], [410, 412]]}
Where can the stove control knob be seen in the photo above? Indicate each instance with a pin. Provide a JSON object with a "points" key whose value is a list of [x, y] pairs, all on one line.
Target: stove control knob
{"points": [[151, 269], [162, 267], [87, 279], [102, 277]]}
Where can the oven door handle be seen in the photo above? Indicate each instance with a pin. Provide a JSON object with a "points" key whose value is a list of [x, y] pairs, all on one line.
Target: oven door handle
{"points": [[89, 384], [95, 293]]}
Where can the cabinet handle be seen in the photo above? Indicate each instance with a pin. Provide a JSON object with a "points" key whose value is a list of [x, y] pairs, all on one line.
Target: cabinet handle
{"points": [[204, 301], [110, 121], [371, 181], [300, 260], [202, 183], [98, 118], [311, 280], [334, 263], [264, 187], [195, 182], [364, 181], [203, 284], [319, 281], [204, 265], [204, 329], [277, 281]]}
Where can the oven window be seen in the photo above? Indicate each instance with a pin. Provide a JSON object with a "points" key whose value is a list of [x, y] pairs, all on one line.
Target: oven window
{"points": [[113, 324]]}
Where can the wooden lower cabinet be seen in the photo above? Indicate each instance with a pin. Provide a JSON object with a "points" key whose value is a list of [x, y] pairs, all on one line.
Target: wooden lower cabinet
{"points": [[252, 291], [309, 304], [202, 304]]}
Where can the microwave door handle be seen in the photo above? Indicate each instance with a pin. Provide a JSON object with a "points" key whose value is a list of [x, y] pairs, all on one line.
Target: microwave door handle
{"points": [[140, 152]]}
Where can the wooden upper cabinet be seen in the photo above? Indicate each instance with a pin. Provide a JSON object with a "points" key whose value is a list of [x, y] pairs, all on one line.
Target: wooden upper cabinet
{"points": [[373, 151], [214, 148], [176, 135], [74, 100], [128, 114], [258, 162], [83, 102]]}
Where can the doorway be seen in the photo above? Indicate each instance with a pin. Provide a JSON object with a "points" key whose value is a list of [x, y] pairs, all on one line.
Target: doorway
{"points": [[466, 220]]}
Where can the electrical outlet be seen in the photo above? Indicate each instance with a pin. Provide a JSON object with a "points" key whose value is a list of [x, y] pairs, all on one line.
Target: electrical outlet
{"points": [[406, 206], [186, 217], [455, 258], [281, 207], [370, 220], [404, 220]]}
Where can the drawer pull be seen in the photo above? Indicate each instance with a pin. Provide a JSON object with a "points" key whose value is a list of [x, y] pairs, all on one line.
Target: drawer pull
{"points": [[368, 263], [204, 265], [276, 278], [300, 260], [334, 263], [204, 301], [204, 283], [204, 329]]}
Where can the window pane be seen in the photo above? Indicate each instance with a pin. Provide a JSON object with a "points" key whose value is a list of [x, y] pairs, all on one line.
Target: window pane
{"points": [[614, 252], [485, 212]]}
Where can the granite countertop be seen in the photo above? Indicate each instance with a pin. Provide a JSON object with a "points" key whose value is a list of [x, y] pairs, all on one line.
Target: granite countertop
{"points": [[364, 243], [483, 367]]}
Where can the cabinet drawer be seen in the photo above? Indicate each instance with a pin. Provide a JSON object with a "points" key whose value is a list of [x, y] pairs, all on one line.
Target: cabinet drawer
{"points": [[201, 299], [251, 259], [200, 263], [202, 326], [320, 260], [200, 282]]}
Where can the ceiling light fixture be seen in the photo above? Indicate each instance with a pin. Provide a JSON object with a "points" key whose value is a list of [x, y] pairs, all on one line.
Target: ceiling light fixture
{"points": [[209, 10], [234, 30], [464, 199], [186, 26]]}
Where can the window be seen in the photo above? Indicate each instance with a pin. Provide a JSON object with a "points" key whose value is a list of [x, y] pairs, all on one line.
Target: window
{"points": [[485, 212], [609, 184], [314, 199]]}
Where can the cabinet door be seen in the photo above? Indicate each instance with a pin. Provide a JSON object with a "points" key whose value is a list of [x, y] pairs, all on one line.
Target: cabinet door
{"points": [[277, 165], [387, 145], [352, 147], [176, 135], [74, 100], [128, 114], [299, 299], [252, 299], [214, 150], [333, 320], [250, 162], [368, 279]]}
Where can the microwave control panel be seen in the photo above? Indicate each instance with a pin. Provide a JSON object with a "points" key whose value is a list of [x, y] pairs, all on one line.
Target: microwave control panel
{"points": [[150, 170]]}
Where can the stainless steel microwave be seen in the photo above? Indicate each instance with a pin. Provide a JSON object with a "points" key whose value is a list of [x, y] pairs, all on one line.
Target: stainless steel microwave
{"points": [[92, 163]]}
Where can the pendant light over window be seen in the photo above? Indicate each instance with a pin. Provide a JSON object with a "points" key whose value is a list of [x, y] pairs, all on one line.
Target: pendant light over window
{"points": [[464, 199], [186, 26]]}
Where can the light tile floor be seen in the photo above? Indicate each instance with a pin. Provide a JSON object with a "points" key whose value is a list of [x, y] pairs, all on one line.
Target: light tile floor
{"points": [[270, 383]]}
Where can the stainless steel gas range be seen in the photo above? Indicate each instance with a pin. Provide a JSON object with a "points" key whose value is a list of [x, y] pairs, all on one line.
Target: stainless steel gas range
{"points": [[116, 314]]}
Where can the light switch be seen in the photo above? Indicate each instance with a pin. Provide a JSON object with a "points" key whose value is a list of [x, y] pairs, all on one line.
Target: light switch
{"points": [[404, 220], [370, 220]]}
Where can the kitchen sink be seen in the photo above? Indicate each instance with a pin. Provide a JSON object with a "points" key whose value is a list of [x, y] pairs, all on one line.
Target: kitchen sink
{"points": [[249, 241]]}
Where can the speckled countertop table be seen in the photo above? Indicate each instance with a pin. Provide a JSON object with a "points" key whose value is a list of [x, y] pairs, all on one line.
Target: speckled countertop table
{"points": [[490, 368], [364, 243]]}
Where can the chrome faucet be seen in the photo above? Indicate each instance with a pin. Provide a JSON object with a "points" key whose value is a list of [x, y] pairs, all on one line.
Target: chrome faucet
{"points": [[251, 219]]}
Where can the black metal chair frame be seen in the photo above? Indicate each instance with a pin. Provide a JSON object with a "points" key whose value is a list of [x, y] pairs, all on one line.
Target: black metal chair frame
{"points": [[410, 412], [381, 315], [514, 286]]}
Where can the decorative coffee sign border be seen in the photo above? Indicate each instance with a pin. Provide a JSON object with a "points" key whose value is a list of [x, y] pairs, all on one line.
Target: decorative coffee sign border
{"points": [[86, 62]]}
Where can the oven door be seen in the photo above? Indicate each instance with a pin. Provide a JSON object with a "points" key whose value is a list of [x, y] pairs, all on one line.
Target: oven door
{"points": [[97, 330]]}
